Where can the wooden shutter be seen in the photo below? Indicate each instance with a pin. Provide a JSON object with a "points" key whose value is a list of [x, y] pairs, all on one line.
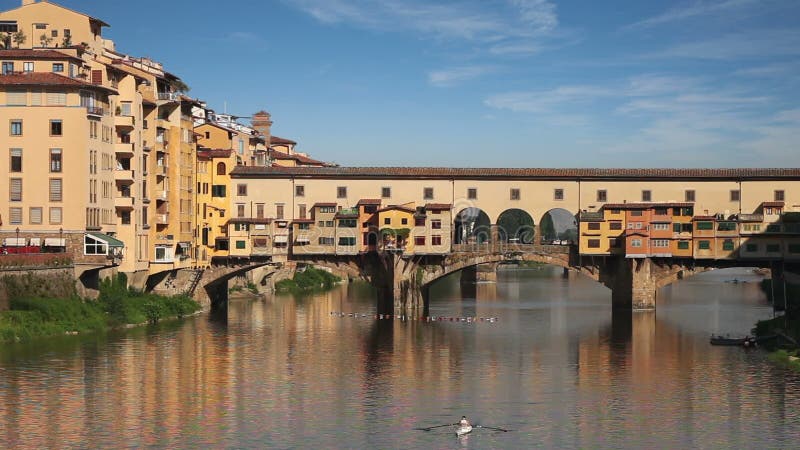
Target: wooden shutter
{"points": [[55, 215], [15, 190], [15, 215], [16, 97], [56, 98], [35, 215], [97, 77], [55, 189]]}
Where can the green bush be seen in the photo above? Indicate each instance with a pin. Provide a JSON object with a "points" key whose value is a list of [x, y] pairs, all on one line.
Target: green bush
{"points": [[310, 279]]}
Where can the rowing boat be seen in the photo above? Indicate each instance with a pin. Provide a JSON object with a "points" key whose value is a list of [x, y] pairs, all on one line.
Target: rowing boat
{"points": [[463, 429]]}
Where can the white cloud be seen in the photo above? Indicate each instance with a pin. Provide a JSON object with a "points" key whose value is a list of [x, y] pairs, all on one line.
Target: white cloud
{"points": [[452, 76], [757, 44], [546, 101], [693, 10]]}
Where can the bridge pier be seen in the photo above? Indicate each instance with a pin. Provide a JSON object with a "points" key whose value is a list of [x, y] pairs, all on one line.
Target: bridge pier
{"points": [[633, 283]]}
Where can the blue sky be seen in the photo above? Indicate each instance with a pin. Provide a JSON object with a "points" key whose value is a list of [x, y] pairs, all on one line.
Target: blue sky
{"points": [[502, 83]]}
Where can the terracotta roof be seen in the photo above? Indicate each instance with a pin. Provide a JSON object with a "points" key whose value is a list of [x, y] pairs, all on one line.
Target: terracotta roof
{"points": [[438, 206], [280, 140], [46, 79], [214, 153], [647, 205], [299, 158], [325, 204], [369, 201], [397, 207], [259, 220], [35, 54], [517, 174], [773, 204]]}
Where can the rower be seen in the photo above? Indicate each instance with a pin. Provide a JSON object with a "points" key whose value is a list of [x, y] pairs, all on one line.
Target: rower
{"points": [[464, 422]]}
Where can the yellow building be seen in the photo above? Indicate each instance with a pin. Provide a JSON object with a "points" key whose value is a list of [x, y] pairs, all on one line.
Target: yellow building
{"points": [[396, 222], [214, 206], [602, 232]]}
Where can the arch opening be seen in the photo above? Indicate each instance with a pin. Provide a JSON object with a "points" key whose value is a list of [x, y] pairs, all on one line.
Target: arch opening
{"points": [[472, 226], [516, 226], [558, 226]]}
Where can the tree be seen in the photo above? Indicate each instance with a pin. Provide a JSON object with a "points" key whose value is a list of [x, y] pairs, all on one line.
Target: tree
{"points": [[45, 40], [67, 41], [5, 40], [179, 86], [19, 38]]}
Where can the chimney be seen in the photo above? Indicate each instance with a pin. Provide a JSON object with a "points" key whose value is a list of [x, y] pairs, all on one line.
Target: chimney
{"points": [[262, 123]]}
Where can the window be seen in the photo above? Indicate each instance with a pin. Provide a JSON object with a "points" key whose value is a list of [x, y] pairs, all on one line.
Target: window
{"points": [[661, 243], [54, 33], [55, 215], [558, 194], [303, 226], [436, 224], [705, 225], [329, 223], [15, 189], [8, 67], [419, 240], [341, 192], [688, 195], [125, 217], [326, 241], [16, 127], [636, 243], [436, 240], [56, 98], [661, 226], [779, 196], [427, 193], [726, 226], [615, 226], [638, 225], [55, 160], [218, 190], [259, 210], [613, 242], [593, 225], [58, 67], [92, 246], [279, 211], [636, 213], [704, 245], [55, 190], [301, 211], [727, 245], [472, 193], [348, 223], [514, 194], [386, 192], [16, 160], [751, 248], [241, 147], [661, 211], [56, 128], [404, 221], [27, 67], [735, 195], [15, 215], [241, 245], [370, 209], [221, 169], [241, 190], [594, 243], [773, 248], [35, 215], [239, 210], [164, 254], [646, 195], [419, 221], [327, 209], [348, 241], [221, 244], [683, 245], [794, 248], [387, 221], [299, 191], [601, 195], [241, 227]]}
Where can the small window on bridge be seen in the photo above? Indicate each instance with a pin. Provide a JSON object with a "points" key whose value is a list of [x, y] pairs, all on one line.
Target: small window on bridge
{"points": [[689, 195], [735, 195], [727, 245], [646, 196], [472, 193], [751, 248], [773, 248], [594, 243], [683, 245], [594, 225], [779, 196], [704, 245], [601, 195], [558, 194], [514, 194]]}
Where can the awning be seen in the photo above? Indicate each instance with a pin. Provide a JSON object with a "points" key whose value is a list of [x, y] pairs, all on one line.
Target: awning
{"points": [[111, 241], [302, 240], [281, 239], [185, 245], [55, 242], [36, 242], [14, 242]]}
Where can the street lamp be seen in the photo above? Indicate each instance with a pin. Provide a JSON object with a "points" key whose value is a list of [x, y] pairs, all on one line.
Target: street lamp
{"points": [[61, 239], [17, 243]]}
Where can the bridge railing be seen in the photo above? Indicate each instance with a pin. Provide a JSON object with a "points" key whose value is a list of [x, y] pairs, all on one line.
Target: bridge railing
{"points": [[504, 247]]}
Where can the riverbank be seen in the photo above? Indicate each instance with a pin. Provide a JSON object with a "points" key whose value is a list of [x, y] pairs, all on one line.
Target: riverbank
{"points": [[309, 280], [36, 316]]}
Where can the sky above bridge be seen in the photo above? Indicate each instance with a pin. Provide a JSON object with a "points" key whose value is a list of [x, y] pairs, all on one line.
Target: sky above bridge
{"points": [[503, 83]]}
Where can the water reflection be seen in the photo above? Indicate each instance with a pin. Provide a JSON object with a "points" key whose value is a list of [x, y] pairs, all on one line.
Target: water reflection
{"points": [[558, 367]]}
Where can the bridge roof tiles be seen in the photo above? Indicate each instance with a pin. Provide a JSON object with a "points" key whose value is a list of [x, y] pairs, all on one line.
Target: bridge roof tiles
{"points": [[438, 206], [513, 173], [259, 220], [324, 204], [369, 201], [773, 204], [648, 205]]}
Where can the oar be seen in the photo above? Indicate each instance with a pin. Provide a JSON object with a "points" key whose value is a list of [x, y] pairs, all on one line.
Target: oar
{"points": [[437, 426], [492, 428]]}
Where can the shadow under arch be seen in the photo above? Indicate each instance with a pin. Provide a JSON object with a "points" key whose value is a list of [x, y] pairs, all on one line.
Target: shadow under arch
{"points": [[472, 226], [558, 224], [516, 225]]}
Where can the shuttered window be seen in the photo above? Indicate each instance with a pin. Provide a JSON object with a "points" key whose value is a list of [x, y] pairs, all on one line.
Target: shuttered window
{"points": [[55, 189], [15, 216], [55, 215], [15, 189], [36, 98], [97, 77], [56, 98], [16, 97], [35, 215]]}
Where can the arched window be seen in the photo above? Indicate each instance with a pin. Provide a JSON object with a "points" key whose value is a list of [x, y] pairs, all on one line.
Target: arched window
{"points": [[221, 168]]}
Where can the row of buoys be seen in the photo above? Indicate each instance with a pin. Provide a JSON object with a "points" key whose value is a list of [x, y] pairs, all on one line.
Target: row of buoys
{"points": [[423, 318]]}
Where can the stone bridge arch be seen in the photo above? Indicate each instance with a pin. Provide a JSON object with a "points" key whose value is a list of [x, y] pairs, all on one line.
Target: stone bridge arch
{"points": [[472, 226], [558, 224], [516, 225]]}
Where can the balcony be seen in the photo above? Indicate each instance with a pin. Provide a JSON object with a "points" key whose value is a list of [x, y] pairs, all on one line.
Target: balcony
{"points": [[123, 202], [162, 170], [162, 196], [95, 111], [123, 121], [124, 149], [123, 175], [169, 96], [162, 219]]}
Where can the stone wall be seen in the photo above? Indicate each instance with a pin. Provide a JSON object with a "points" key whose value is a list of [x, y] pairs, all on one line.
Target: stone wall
{"points": [[57, 283]]}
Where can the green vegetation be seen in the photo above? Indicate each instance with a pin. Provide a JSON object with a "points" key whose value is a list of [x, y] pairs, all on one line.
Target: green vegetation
{"points": [[309, 280], [251, 287], [786, 358], [33, 316]]}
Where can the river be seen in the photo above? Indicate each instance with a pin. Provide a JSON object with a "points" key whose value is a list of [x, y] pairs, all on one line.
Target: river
{"points": [[556, 367]]}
